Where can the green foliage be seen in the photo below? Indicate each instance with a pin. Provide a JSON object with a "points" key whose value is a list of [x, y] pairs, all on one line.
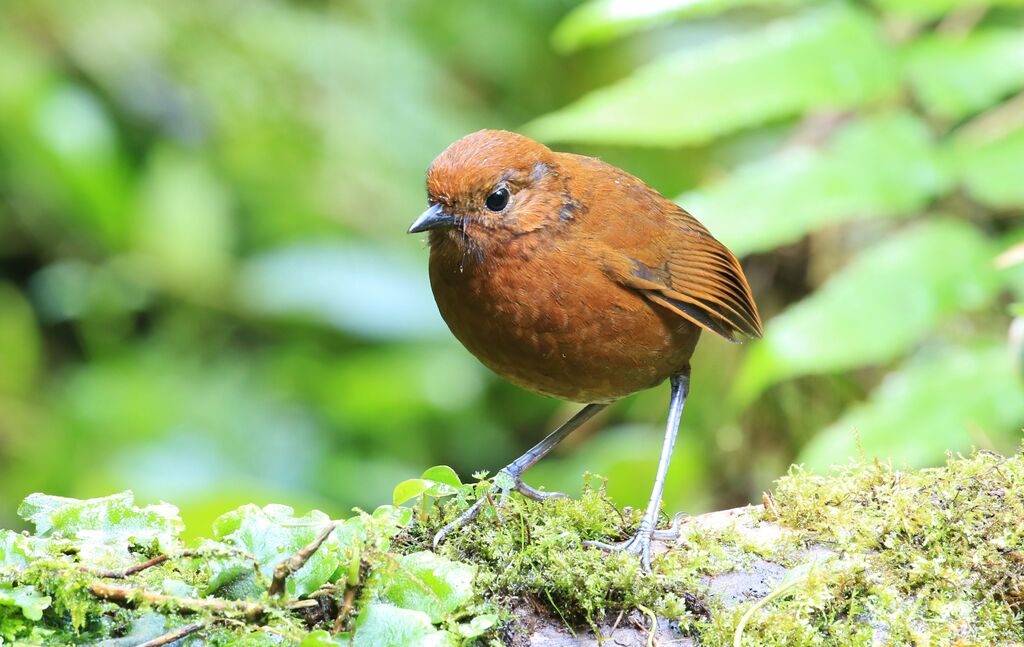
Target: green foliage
{"points": [[828, 58], [955, 76], [987, 166], [106, 528], [858, 544], [599, 21], [206, 294], [955, 397], [401, 597], [818, 156], [273, 533], [784, 197], [426, 582], [879, 305]]}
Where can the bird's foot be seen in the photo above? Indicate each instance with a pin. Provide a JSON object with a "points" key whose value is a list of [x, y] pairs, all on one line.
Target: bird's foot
{"points": [[640, 543], [505, 482]]}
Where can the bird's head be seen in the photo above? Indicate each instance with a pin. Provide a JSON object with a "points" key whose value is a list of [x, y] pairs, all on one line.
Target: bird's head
{"points": [[489, 187]]}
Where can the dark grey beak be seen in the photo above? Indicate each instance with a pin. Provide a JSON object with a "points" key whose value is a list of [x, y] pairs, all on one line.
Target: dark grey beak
{"points": [[432, 218]]}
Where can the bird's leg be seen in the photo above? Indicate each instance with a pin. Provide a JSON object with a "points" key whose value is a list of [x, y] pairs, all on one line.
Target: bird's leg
{"points": [[640, 543], [510, 477]]}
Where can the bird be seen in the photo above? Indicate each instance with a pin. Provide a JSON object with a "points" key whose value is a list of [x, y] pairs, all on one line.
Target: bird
{"points": [[571, 278]]}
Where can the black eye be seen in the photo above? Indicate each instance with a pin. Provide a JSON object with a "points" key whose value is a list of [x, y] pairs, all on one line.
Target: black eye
{"points": [[498, 200]]}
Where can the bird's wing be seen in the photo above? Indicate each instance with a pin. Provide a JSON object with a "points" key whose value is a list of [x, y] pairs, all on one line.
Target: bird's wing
{"points": [[694, 276]]}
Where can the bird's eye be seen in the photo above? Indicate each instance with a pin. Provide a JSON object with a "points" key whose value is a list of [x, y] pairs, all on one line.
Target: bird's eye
{"points": [[498, 200]]}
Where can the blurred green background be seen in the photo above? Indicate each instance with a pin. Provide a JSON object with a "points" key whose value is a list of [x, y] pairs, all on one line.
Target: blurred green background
{"points": [[207, 294]]}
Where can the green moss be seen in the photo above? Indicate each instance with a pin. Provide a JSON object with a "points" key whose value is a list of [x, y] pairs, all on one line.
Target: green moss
{"points": [[927, 557]]}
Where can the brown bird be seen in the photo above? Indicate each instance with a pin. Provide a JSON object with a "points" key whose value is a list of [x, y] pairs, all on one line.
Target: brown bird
{"points": [[571, 278]]}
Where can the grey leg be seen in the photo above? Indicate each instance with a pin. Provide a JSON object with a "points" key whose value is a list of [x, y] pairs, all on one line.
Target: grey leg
{"points": [[516, 468], [641, 542]]}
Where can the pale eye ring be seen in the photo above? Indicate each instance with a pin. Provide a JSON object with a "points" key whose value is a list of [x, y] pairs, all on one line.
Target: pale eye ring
{"points": [[498, 200]]}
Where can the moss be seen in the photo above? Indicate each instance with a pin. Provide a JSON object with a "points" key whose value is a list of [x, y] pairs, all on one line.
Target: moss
{"points": [[928, 557]]}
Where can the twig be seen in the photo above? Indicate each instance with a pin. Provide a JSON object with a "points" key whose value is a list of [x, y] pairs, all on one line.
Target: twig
{"points": [[126, 572], [298, 560], [346, 608], [177, 634], [156, 561], [130, 596]]}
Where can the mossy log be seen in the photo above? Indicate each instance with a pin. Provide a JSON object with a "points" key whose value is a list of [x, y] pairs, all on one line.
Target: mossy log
{"points": [[732, 590], [868, 555]]}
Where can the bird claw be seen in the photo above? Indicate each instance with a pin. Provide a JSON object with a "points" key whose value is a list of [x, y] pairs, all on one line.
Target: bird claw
{"points": [[673, 532], [503, 488], [638, 544]]}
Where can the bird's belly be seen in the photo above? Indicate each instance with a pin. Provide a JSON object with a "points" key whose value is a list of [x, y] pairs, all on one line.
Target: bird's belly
{"points": [[575, 336]]}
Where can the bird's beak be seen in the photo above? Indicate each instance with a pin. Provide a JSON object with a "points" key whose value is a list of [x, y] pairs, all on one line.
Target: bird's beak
{"points": [[432, 218]]}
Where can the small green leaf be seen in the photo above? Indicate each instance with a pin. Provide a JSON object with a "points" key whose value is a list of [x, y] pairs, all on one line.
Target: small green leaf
{"points": [[878, 306], [831, 57], [31, 603], [956, 75], [110, 519], [936, 403], [478, 626], [504, 481], [600, 21], [410, 489], [273, 533], [781, 198], [321, 638], [443, 474], [430, 583], [384, 625], [15, 549]]}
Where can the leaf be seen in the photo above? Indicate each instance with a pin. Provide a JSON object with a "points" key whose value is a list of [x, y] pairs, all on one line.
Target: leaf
{"points": [[230, 576], [429, 583], [924, 9], [955, 75], [478, 626], [110, 520], [937, 403], [876, 307], [273, 533], [26, 598], [15, 549], [989, 168], [825, 58], [600, 21], [882, 166], [384, 625], [410, 489], [64, 145], [368, 292], [321, 638], [20, 344], [443, 474]]}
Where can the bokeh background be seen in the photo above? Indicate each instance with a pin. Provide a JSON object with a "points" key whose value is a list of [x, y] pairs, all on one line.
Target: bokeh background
{"points": [[207, 294]]}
